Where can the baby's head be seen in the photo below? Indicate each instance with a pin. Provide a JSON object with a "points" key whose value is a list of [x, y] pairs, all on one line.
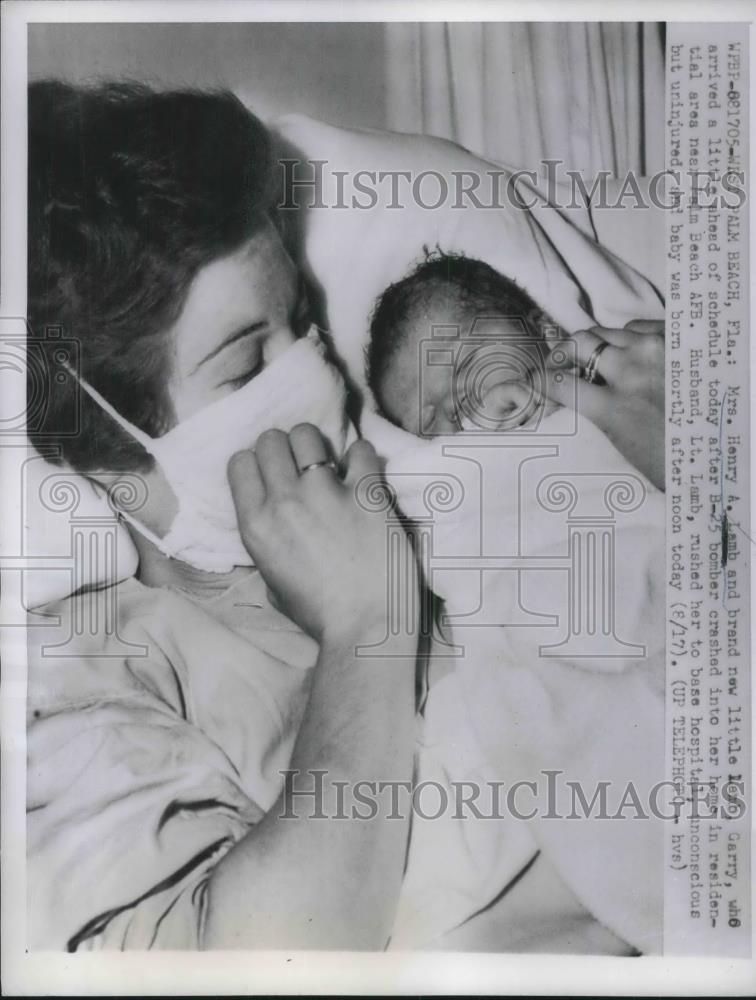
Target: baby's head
{"points": [[456, 343]]}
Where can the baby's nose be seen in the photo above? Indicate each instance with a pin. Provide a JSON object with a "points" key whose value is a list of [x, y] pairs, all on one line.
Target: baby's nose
{"points": [[507, 405]]}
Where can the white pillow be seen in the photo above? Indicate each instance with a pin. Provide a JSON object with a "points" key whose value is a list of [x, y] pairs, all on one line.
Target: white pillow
{"points": [[72, 537], [355, 253]]}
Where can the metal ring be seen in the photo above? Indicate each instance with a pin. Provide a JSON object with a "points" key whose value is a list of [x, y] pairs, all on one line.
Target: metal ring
{"points": [[590, 372], [317, 465]]}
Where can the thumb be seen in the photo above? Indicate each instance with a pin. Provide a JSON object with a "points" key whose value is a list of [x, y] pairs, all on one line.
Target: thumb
{"points": [[360, 460]]}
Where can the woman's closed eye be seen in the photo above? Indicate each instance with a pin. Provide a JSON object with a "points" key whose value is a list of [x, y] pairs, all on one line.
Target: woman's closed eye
{"points": [[242, 364], [250, 360], [247, 376]]}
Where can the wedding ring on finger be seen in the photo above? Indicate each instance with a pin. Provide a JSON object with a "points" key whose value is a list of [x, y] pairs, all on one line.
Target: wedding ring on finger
{"points": [[591, 372], [318, 465]]}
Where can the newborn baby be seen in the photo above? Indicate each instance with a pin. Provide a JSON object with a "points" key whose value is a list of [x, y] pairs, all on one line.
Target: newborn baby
{"points": [[550, 654], [455, 345]]}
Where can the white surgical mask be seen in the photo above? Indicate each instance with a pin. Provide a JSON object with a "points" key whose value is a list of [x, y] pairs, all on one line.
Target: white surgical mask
{"points": [[298, 386]]}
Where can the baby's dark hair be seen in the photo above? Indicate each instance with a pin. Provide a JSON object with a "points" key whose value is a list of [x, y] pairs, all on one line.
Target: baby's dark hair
{"points": [[474, 286]]}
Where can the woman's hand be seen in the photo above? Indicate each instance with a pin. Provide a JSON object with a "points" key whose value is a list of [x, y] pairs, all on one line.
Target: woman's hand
{"points": [[629, 406], [304, 885], [322, 555]]}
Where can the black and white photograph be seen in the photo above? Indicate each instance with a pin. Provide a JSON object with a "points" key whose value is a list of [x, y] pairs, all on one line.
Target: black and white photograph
{"points": [[376, 499]]}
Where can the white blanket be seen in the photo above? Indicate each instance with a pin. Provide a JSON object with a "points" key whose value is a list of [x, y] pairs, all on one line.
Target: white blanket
{"points": [[592, 710]]}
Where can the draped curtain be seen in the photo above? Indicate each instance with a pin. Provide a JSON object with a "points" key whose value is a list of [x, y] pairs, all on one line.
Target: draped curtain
{"points": [[591, 94]]}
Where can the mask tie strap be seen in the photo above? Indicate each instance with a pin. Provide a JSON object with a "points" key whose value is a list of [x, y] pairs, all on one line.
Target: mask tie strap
{"points": [[139, 435], [146, 532]]}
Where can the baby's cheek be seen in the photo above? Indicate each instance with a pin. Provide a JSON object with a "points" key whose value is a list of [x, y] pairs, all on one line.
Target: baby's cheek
{"points": [[396, 404]]}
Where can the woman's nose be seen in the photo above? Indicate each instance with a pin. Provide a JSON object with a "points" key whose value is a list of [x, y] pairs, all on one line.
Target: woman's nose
{"points": [[279, 341]]}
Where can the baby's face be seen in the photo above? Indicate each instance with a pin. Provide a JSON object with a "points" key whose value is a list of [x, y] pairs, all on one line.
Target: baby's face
{"points": [[442, 385]]}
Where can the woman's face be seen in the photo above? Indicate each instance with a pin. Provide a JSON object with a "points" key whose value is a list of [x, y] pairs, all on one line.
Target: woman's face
{"points": [[241, 312]]}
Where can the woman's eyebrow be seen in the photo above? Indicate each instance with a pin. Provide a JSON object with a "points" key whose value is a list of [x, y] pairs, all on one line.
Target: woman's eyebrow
{"points": [[245, 331]]}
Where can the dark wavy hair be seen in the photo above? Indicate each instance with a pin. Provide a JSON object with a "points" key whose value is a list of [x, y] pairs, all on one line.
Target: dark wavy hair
{"points": [[131, 192], [473, 286]]}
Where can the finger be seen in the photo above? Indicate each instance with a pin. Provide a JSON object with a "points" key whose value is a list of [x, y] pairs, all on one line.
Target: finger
{"points": [[308, 447], [568, 353], [247, 487], [276, 462], [609, 364], [360, 460], [612, 335], [575, 393], [654, 326]]}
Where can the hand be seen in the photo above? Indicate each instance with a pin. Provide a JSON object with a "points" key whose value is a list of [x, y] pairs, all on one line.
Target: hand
{"points": [[322, 555], [629, 407]]}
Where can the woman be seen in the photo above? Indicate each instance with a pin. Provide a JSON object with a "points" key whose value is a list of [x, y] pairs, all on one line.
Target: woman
{"points": [[158, 812], [152, 242]]}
